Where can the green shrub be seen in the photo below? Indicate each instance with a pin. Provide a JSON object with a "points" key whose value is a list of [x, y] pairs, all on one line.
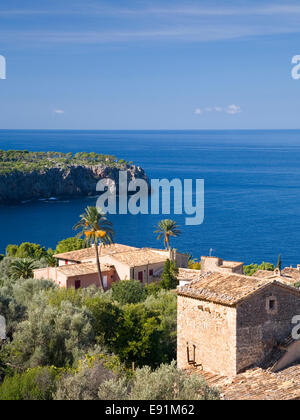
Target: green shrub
{"points": [[140, 338], [11, 250], [69, 244], [251, 269], [128, 291], [83, 385], [26, 250], [25, 161], [153, 289], [169, 276], [108, 320], [51, 336], [35, 384], [169, 383]]}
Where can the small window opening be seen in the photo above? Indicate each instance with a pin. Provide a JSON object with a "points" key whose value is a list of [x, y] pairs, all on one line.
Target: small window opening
{"points": [[191, 355], [272, 304]]}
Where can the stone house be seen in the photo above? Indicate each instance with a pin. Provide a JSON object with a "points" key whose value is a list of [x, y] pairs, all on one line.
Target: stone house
{"points": [[118, 262], [228, 322], [215, 264], [78, 276]]}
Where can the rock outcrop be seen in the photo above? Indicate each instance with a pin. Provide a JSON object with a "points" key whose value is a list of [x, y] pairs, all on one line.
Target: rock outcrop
{"points": [[72, 181]]}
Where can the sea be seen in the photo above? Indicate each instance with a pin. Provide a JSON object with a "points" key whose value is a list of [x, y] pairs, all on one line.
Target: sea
{"points": [[252, 190]]}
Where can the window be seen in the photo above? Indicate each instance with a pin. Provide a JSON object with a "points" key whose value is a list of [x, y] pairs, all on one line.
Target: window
{"points": [[105, 282], [141, 276], [77, 284], [191, 354], [272, 305], [150, 272]]}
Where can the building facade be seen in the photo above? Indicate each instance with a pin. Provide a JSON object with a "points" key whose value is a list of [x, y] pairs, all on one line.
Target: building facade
{"points": [[229, 322], [78, 269]]}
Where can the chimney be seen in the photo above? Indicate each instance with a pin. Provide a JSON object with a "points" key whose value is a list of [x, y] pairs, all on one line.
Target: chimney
{"points": [[298, 267], [277, 272]]}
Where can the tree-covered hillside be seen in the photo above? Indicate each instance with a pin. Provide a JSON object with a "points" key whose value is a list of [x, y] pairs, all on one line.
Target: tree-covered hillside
{"points": [[25, 161]]}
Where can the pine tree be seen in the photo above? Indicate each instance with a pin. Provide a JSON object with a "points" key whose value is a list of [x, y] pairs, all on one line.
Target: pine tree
{"points": [[279, 262]]}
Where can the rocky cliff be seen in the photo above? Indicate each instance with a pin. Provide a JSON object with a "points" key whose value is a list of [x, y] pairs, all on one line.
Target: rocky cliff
{"points": [[72, 181]]}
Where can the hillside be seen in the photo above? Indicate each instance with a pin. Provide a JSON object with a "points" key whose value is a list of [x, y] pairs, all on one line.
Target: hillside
{"points": [[28, 175]]}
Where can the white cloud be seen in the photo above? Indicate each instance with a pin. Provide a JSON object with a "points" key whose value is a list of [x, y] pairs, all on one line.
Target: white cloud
{"points": [[176, 22], [230, 109], [270, 9], [233, 109], [59, 111]]}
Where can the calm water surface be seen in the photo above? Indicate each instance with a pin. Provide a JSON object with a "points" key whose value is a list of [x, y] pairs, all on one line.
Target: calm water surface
{"points": [[252, 190]]}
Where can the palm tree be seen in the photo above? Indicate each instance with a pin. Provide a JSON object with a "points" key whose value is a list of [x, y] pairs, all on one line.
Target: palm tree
{"points": [[97, 230], [22, 268], [166, 229], [51, 260]]}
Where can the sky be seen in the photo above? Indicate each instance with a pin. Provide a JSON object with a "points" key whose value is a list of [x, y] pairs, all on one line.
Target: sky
{"points": [[159, 64]]}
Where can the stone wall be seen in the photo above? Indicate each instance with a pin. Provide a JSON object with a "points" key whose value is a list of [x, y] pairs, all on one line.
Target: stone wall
{"points": [[211, 328], [217, 265], [210, 264], [88, 280], [260, 328]]}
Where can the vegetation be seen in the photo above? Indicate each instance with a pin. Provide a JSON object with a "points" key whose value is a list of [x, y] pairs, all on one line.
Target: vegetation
{"points": [[25, 161], [51, 326], [26, 250], [193, 264], [33, 385], [70, 244], [50, 336], [128, 291], [279, 263], [97, 230], [96, 382], [165, 383], [22, 268], [169, 276], [166, 229], [251, 269], [67, 344], [55, 327], [40, 255]]}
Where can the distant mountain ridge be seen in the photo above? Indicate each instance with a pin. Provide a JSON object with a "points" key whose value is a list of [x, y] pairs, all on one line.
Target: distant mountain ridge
{"points": [[40, 175]]}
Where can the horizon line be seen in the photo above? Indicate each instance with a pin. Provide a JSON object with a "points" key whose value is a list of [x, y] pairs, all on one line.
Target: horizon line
{"points": [[150, 129]]}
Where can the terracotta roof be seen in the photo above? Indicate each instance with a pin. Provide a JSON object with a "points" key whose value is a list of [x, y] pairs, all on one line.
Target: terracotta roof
{"points": [[81, 269], [185, 274], [258, 384], [89, 253], [292, 273], [231, 264], [224, 263], [228, 289], [264, 274], [284, 276], [140, 257]]}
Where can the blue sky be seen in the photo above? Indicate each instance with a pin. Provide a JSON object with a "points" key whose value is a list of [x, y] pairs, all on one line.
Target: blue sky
{"points": [[156, 64]]}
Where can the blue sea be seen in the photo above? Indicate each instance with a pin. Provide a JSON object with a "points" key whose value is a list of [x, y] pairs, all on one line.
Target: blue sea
{"points": [[252, 190]]}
